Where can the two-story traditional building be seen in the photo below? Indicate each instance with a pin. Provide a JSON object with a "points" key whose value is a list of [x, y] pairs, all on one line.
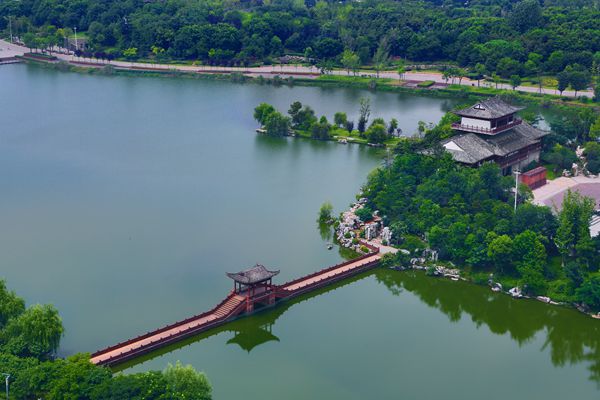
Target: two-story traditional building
{"points": [[491, 131]]}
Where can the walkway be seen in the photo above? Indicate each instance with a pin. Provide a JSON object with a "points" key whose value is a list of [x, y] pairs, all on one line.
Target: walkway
{"points": [[169, 334], [284, 71], [552, 193], [235, 305]]}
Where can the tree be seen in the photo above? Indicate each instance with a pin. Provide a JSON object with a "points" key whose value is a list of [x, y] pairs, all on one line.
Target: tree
{"points": [[130, 53], [401, 68], [340, 119], [589, 292], [350, 126], [364, 214], [580, 80], [573, 233], [496, 79], [563, 79], [34, 333], [325, 212], [184, 382], [277, 124], [515, 81], [350, 61], [11, 306], [393, 126], [365, 112], [507, 67], [526, 15], [382, 56], [377, 133], [320, 130], [595, 130], [294, 112], [262, 111], [499, 251], [480, 70]]}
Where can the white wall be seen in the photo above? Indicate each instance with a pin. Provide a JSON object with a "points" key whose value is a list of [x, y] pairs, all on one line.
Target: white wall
{"points": [[478, 123]]}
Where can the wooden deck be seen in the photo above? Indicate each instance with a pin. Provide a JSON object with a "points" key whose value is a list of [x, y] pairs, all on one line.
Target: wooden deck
{"points": [[232, 307]]}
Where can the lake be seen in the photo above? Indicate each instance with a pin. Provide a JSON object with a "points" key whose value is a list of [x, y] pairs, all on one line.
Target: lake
{"points": [[125, 200]]}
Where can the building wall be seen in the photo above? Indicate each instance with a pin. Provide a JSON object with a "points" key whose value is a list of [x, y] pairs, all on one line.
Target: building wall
{"points": [[479, 123]]}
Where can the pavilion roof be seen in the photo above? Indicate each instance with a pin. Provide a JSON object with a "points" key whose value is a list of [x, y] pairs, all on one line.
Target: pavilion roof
{"points": [[256, 274], [489, 109]]}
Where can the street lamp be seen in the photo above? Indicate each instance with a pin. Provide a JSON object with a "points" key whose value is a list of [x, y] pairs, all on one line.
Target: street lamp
{"points": [[517, 173], [76, 47], [7, 376]]}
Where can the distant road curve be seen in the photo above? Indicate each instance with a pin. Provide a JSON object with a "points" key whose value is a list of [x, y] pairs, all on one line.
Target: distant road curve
{"points": [[12, 50]]}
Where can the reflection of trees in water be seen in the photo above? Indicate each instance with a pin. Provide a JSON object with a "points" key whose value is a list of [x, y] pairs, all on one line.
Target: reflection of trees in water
{"points": [[326, 231], [571, 337]]}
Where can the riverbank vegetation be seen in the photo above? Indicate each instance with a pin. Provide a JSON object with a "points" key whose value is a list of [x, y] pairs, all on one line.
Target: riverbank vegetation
{"points": [[466, 215], [527, 40], [29, 339]]}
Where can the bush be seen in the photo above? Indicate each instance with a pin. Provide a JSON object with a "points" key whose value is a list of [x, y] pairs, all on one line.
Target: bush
{"points": [[425, 84], [364, 214]]}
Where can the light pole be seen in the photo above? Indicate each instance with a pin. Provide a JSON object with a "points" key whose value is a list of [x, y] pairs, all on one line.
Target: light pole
{"points": [[7, 376], [76, 47], [517, 173]]}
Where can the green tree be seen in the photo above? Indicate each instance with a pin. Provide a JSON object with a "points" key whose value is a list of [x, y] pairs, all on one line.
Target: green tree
{"points": [[526, 14], [563, 79], [480, 71], [262, 112], [381, 58], [580, 80], [130, 53], [401, 69], [36, 332], [350, 61], [185, 383], [589, 292], [294, 113], [573, 233], [340, 119], [321, 130], [11, 306], [500, 251], [325, 212], [364, 113], [364, 214], [393, 126], [277, 124], [377, 133], [515, 81]]}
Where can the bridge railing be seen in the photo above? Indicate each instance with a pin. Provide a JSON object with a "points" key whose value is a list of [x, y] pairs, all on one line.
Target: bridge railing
{"points": [[373, 249], [160, 330]]}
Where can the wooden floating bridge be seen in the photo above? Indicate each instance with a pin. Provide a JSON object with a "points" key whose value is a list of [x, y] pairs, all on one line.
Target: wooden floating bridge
{"points": [[252, 287]]}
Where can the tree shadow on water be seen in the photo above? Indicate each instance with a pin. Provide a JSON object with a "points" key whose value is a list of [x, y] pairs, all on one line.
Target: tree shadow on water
{"points": [[570, 336]]}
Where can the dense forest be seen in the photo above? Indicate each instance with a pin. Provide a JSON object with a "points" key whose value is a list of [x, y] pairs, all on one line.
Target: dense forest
{"points": [[29, 338], [506, 37]]}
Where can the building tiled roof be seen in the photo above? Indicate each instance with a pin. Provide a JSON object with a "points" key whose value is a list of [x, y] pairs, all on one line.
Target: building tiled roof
{"points": [[256, 274], [489, 109], [469, 148]]}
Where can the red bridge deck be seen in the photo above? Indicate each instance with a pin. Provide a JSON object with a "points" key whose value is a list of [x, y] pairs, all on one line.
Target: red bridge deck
{"points": [[230, 308]]}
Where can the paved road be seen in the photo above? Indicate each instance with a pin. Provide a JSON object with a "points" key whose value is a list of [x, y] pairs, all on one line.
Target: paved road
{"points": [[10, 50]]}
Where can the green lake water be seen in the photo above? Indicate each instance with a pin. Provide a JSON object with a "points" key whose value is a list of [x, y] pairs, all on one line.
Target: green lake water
{"points": [[123, 201]]}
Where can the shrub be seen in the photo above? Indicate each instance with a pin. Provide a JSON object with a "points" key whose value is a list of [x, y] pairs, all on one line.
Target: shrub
{"points": [[425, 84], [364, 214]]}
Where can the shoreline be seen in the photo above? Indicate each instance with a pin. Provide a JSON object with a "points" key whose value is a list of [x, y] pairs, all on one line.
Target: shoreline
{"points": [[350, 232]]}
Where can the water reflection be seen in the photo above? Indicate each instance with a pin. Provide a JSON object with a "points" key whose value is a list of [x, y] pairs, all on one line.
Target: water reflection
{"points": [[571, 337]]}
